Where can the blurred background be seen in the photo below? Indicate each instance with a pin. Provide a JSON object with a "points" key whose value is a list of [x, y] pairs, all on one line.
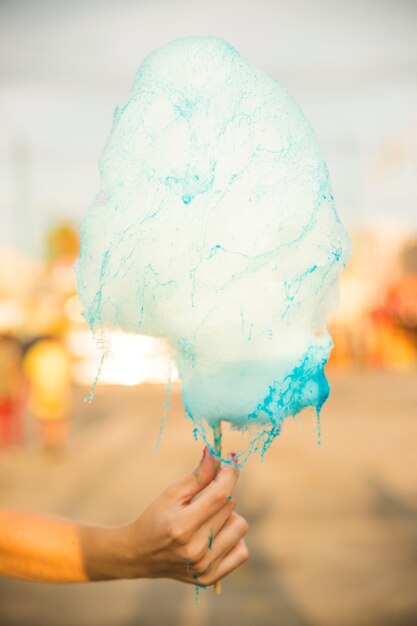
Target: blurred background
{"points": [[334, 528]]}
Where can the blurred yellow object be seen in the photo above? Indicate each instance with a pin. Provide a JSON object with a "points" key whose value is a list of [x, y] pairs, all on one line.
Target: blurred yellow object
{"points": [[47, 366], [401, 301], [12, 392], [387, 344], [62, 243]]}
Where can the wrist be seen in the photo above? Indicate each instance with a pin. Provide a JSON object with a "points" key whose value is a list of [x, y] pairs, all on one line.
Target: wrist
{"points": [[126, 554], [109, 554]]}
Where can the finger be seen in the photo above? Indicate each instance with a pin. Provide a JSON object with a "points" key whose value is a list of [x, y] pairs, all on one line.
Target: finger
{"points": [[189, 486], [213, 526], [218, 493], [196, 541], [238, 555], [230, 534]]}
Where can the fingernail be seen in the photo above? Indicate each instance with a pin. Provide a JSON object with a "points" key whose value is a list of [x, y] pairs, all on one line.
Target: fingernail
{"points": [[204, 454], [196, 472], [233, 457]]}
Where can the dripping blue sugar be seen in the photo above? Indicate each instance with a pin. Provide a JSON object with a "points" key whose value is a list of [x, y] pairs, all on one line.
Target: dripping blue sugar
{"points": [[167, 406], [197, 589], [215, 227]]}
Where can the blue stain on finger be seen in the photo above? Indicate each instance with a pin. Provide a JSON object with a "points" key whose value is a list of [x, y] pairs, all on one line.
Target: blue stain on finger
{"points": [[210, 539]]}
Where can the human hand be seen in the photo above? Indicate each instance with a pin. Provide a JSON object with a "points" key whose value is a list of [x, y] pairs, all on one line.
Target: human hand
{"points": [[190, 532]]}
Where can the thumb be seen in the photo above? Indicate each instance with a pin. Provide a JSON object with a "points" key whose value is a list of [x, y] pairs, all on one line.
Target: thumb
{"points": [[189, 486]]}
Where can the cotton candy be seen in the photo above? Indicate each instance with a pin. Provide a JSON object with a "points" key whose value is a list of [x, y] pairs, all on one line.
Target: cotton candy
{"points": [[215, 228]]}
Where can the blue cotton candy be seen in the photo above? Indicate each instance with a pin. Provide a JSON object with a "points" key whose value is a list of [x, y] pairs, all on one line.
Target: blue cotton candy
{"points": [[215, 228]]}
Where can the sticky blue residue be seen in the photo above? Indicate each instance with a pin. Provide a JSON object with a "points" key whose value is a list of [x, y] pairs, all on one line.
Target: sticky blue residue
{"points": [[210, 539], [216, 228], [197, 589], [167, 406]]}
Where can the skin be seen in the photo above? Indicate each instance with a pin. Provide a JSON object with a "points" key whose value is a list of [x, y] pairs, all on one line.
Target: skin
{"points": [[189, 533]]}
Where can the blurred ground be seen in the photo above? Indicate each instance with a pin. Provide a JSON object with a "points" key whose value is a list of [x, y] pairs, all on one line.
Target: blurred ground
{"points": [[333, 534]]}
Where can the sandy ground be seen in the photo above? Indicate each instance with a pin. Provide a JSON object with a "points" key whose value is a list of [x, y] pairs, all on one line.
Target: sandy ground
{"points": [[333, 536]]}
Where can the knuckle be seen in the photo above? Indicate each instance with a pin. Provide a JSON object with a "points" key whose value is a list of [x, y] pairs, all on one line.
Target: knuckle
{"points": [[170, 492], [203, 566], [199, 550], [244, 553], [194, 552], [220, 494], [243, 525], [201, 553], [178, 532]]}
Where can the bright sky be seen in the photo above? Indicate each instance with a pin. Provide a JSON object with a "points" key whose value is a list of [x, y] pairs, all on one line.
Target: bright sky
{"points": [[64, 66]]}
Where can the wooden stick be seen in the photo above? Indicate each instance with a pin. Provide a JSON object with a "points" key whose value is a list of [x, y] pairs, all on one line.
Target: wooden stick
{"points": [[217, 445]]}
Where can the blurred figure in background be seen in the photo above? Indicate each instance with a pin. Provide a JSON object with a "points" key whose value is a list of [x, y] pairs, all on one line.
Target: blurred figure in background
{"points": [[12, 392], [47, 367]]}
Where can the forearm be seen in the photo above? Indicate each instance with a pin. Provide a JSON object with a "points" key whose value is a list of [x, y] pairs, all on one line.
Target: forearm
{"points": [[48, 549]]}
